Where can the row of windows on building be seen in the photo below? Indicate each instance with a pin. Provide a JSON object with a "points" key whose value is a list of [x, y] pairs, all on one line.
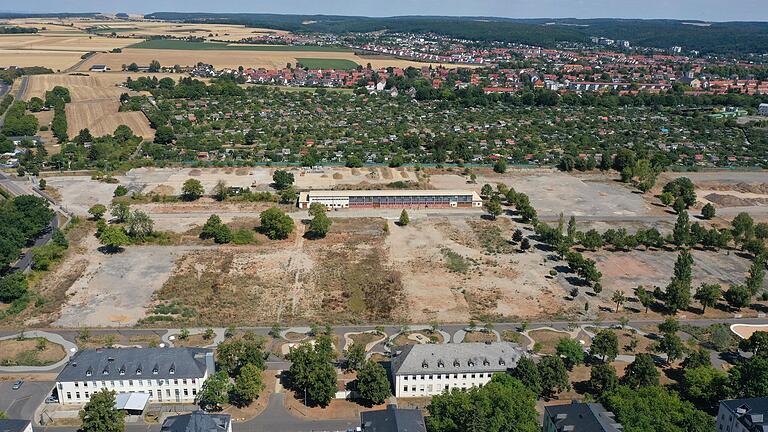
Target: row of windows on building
{"points": [[95, 384], [410, 199], [447, 376], [177, 393]]}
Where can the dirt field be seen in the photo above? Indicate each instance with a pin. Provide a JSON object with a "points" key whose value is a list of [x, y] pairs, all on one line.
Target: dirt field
{"points": [[27, 352], [731, 192], [114, 289], [552, 191], [233, 58]]}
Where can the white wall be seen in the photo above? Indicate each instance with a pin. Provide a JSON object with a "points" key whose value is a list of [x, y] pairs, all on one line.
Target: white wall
{"points": [[435, 384], [187, 389]]}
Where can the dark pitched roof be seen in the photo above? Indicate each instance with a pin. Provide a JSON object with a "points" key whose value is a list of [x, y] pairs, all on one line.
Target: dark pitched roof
{"points": [[7, 425], [197, 421], [393, 419], [752, 412], [455, 358], [135, 363], [582, 417]]}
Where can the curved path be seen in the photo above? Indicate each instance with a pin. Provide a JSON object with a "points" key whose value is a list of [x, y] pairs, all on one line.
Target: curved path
{"points": [[69, 349], [217, 338]]}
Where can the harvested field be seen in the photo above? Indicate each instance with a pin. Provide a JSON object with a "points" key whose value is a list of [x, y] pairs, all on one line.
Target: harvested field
{"points": [[230, 58], [224, 32], [55, 60], [102, 118], [67, 42], [30, 352]]}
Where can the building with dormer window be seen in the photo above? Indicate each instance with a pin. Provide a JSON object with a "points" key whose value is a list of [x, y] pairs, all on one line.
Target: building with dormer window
{"points": [[430, 369], [173, 375]]}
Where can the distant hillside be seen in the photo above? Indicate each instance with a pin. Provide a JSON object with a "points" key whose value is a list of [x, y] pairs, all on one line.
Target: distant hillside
{"points": [[12, 15], [721, 38]]}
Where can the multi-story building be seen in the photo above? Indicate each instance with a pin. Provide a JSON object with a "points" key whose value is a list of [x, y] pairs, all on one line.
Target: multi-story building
{"points": [[430, 369], [391, 198], [743, 415], [762, 109], [162, 374], [198, 421], [580, 417]]}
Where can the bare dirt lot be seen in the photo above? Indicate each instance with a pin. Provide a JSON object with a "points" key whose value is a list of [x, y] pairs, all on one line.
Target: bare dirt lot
{"points": [[731, 192], [552, 192], [114, 289]]}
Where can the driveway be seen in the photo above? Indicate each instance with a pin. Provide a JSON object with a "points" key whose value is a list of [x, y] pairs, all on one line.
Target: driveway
{"points": [[22, 403]]}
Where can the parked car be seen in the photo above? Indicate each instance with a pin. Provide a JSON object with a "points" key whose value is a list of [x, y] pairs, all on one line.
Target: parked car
{"points": [[51, 399], [17, 385]]}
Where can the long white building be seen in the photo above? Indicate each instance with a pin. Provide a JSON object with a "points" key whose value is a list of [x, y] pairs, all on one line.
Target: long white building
{"points": [[173, 375], [335, 199], [430, 369]]}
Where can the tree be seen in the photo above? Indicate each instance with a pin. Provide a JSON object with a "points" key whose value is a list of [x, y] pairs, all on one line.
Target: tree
{"points": [[282, 179], [567, 163], [500, 166], [619, 298], [554, 376], [100, 415], [641, 373], [84, 136], [708, 295], [708, 211], [602, 378], [120, 211], [320, 225], [592, 240], [681, 233], [13, 286], [164, 135], [682, 187], [154, 66], [210, 227], [97, 211], [192, 190], [644, 297], [749, 378], [705, 385], [355, 357], [215, 392], [754, 282], [312, 372], [317, 208], [248, 385], [372, 383], [655, 409], [528, 373], [493, 207], [501, 405], [113, 238], [220, 191], [669, 326], [738, 296], [678, 295], [605, 345], [123, 133], [486, 190], [525, 244], [671, 345], [625, 158], [404, 219], [571, 351], [139, 225], [276, 224], [120, 190], [517, 236], [233, 355], [757, 344], [743, 227]]}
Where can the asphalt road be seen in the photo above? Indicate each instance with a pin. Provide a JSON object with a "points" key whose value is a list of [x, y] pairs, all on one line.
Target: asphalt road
{"points": [[22, 403]]}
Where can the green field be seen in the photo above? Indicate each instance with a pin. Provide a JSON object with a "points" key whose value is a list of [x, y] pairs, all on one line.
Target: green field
{"points": [[218, 46], [319, 63]]}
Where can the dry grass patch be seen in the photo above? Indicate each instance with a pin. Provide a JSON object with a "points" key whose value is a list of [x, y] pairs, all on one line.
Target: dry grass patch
{"points": [[480, 336], [192, 341], [403, 339], [630, 342], [30, 352], [547, 340]]}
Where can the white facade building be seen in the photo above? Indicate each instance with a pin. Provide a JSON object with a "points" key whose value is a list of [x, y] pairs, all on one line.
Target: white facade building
{"points": [[173, 375], [431, 369], [391, 199], [762, 109], [743, 415]]}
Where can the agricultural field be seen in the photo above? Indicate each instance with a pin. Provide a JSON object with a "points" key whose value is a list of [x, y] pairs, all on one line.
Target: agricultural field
{"points": [[171, 44], [69, 42], [315, 63], [55, 60]]}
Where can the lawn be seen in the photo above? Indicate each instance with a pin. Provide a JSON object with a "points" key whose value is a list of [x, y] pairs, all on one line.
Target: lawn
{"points": [[172, 44], [547, 339], [320, 63]]}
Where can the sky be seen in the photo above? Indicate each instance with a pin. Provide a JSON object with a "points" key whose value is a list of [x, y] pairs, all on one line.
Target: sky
{"points": [[707, 10]]}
